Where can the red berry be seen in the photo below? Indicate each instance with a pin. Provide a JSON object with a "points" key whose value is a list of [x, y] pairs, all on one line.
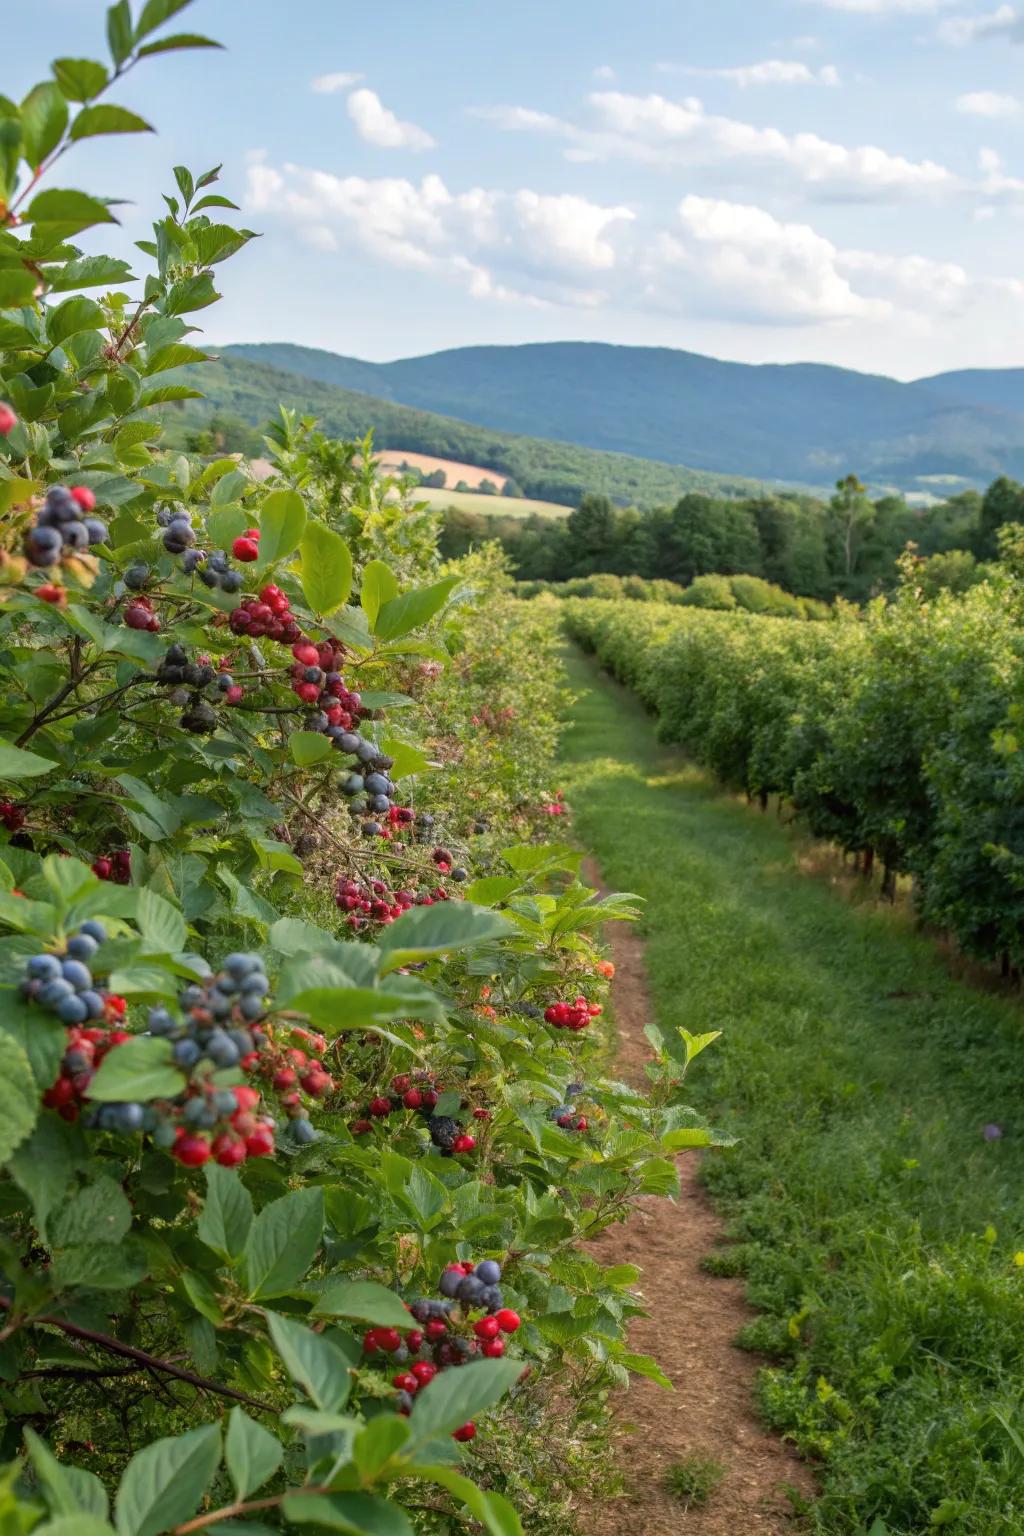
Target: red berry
{"points": [[8, 420], [245, 549], [401, 1082], [102, 869], [429, 1098], [581, 1123], [228, 1151], [85, 498], [53, 594], [463, 1144], [192, 1151], [436, 1329], [494, 1349], [306, 653], [137, 615], [308, 692], [360, 1127], [284, 1077], [412, 1099], [245, 1097], [260, 1142], [487, 1328], [481, 1114], [424, 1371], [466, 1432], [413, 1340], [508, 1321], [405, 1381], [235, 694], [380, 1107], [370, 1345], [389, 1339], [317, 1083]]}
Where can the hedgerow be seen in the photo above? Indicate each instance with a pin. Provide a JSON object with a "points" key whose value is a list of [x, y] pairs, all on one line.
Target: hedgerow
{"points": [[893, 733], [301, 1125]]}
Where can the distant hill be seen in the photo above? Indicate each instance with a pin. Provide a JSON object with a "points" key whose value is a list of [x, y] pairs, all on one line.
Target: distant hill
{"points": [[798, 422], [549, 471]]}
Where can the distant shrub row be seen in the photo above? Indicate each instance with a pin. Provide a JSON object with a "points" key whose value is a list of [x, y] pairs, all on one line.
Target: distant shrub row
{"points": [[749, 593], [895, 732]]}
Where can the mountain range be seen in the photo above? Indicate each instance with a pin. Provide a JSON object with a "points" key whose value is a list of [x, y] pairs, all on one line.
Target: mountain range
{"points": [[806, 423]]}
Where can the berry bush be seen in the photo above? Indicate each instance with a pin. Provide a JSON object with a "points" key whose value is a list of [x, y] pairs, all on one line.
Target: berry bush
{"points": [[292, 984]]}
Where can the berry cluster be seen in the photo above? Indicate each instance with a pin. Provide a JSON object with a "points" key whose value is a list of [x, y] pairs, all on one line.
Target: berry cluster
{"points": [[12, 816], [565, 1114], [217, 1123], [187, 680], [447, 1134], [63, 983], [179, 535], [418, 1092], [445, 861], [216, 572], [438, 1344], [85, 1048], [575, 1015], [63, 526], [370, 901], [269, 614], [219, 1016], [116, 866]]}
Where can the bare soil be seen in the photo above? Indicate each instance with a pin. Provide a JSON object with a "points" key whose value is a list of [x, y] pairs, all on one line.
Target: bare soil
{"points": [[694, 1320]]}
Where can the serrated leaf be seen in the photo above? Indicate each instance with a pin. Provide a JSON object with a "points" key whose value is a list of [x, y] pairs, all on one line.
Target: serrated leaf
{"points": [[455, 1397], [226, 1216], [44, 116], [312, 1361], [282, 524], [412, 609], [164, 1482], [325, 569], [251, 1452], [140, 1069], [283, 1242], [424, 931], [19, 1096], [364, 1300]]}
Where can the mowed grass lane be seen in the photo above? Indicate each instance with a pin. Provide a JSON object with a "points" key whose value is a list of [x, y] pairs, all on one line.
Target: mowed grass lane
{"points": [[876, 1224]]}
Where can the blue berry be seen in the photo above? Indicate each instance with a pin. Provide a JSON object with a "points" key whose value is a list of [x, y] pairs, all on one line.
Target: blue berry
{"points": [[470, 1290], [55, 991], [72, 1010], [450, 1282], [489, 1271], [93, 1002], [94, 930], [43, 967], [96, 530], [77, 974], [82, 947], [161, 1022], [303, 1132], [186, 1053]]}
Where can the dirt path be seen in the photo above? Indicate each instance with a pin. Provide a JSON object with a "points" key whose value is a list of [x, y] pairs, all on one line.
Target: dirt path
{"points": [[694, 1319]]}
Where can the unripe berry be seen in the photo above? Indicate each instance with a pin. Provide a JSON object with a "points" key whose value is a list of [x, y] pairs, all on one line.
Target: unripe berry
{"points": [[8, 420], [436, 1329], [380, 1107], [260, 1142], [487, 1328], [85, 498], [192, 1151], [235, 694], [494, 1349], [466, 1432], [245, 549], [424, 1371], [463, 1144], [228, 1151], [306, 653], [508, 1321], [412, 1098]]}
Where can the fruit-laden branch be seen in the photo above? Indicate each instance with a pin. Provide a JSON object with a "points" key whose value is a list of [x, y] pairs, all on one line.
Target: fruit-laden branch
{"points": [[140, 1356]]}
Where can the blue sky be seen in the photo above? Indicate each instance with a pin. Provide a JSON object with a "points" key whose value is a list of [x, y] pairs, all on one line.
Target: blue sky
{"points": [[765, 180]]}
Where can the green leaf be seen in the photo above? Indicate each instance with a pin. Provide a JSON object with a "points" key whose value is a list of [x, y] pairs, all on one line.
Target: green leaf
{"points": [[164, 1482], [45, 1164], [180, 40], [80, 79], [357, 1514], [119, 30], [17, 286], [492, 1510], [413, 609], [53, 1478], [251, 1452], [155, 12], [90, 272], [448, 925], [15, 763], [379, 586], [283, 1242], [99, 1213], [326, 568], [366, 1301], [644, 1365], [282, 524], [312, 1361], [19, 1096], [141, 1068], [308, 747], [66, 213], [455, 1397], [107, 118], [227, 1212], [78, 314], [44, 116], [160, 922], [100, 1266], [407, 759]]}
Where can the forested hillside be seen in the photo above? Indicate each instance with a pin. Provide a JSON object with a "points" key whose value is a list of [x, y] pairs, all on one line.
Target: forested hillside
{"points": [[798, 422], [242, 396]]}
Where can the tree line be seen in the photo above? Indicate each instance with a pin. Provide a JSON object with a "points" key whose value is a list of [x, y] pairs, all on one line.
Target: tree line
{"points": [[845, 547]]}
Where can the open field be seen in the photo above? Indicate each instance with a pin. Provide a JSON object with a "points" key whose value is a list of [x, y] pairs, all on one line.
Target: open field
{"points": [[392, 459], [492, 506]]}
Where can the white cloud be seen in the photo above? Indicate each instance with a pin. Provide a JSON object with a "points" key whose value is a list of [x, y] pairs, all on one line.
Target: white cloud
{"points": [[987, 104], [959, 31], [710, 259], [604, 72], [377, 125], [658, 131], [766, 72], [329, 85]]}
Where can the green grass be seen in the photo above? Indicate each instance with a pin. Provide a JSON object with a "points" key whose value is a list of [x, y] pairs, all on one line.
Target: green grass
{"points": [[490, 506], [878, 1226], [694, 1479]]}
